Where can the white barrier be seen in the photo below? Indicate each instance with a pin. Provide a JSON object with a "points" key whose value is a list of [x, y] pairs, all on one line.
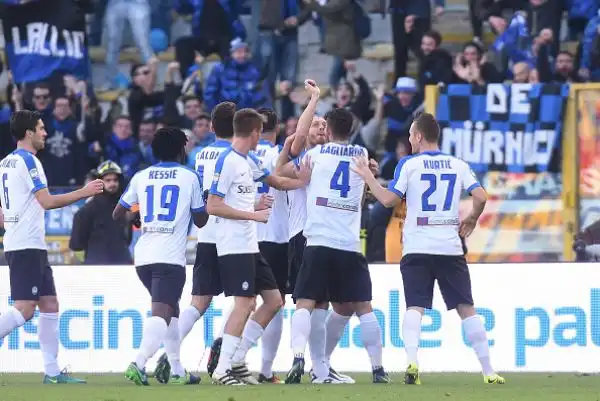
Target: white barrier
{"points": [[538, 317]]}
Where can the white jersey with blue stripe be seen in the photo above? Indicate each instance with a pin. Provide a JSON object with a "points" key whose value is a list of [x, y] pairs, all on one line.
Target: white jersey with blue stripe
{"points": [[334, 197], [432, 183], [167, 194], [297, 205], [234, 181], [21, 176], [206, 160], [276, 229]]}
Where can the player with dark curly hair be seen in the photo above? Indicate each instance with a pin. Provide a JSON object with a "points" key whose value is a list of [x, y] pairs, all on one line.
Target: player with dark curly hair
{"points": [[169, 195]]}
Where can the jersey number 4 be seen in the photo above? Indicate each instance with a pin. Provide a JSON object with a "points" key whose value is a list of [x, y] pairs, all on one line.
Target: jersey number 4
{"points": [[341, 179], [433, 181], [4, 179], [169, 197]]}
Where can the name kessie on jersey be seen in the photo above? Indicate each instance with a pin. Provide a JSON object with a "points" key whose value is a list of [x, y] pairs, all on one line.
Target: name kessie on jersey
{"points": [[167, 194]]}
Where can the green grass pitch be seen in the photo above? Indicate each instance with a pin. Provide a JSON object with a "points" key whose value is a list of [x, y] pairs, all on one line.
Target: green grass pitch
{"points": [[435, 387]]}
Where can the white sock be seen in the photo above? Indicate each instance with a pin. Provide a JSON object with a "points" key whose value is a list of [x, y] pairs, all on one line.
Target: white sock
{"points": [[411, 332], [173, 347], [228, 348], [316, 342], [48, 336], [475, 332], [225, 318], [270, 344], [10, 320], [154, 334], [300, 331], [334, 328], [187, 320], [370, 334], [252, 333]]}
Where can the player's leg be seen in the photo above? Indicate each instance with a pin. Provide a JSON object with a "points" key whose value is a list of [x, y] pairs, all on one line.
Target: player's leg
{"points": [[311, 285], [237, 275], [353, 285], [266, 285], [418, 280], [276, 256], [336, 322], [206, 283], [25, 280], [454, 281], [317, 339]]}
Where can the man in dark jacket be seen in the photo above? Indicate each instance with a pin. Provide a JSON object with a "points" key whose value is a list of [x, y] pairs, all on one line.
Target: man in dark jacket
{"points": [[236, 80], [435, 63], [105, 241]]}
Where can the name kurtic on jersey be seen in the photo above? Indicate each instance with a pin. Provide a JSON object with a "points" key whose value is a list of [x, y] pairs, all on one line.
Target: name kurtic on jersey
{"points": [[43, 39]]}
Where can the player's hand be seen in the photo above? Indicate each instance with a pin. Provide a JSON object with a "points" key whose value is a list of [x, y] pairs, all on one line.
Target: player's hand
{"points": [[264, 202], [466, 227], [305, 172], [361, 167], [262, 216], [312, 88], [94, 188], [287, 145], [374, 166]]}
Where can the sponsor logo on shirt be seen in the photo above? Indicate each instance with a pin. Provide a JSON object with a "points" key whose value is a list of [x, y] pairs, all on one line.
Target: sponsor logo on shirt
{"points": [[437, 221], [336, 204]]}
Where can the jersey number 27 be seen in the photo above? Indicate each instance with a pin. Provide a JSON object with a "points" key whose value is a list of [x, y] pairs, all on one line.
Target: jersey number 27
{"points": [[169, 197], [433, 181]]}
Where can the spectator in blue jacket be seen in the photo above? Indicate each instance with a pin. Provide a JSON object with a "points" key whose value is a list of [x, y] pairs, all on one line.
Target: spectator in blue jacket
{"points": [[580, 12], [514, 45], [121, 147], [236, 80], [214, 24], [589, 66]]}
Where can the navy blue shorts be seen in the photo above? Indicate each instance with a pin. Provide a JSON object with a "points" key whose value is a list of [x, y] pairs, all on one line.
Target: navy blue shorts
{"points": [[30, 274], [334, 275], [276, 256], [164, 282], [420, 271], [245, 275], [207, 278], [295, 255]]}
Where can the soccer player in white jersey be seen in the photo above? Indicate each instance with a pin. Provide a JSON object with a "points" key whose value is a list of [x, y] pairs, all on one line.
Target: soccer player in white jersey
{"points": [[334, 268], [243, 272], [432, 249], [169, 196], [326, 327], [24, 196]]}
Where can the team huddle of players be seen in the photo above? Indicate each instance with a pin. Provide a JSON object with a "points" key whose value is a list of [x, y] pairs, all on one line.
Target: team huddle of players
{"points": [[272, 221]]}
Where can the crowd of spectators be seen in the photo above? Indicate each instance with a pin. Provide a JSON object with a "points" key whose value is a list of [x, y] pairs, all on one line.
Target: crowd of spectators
{"points": [[258, 67]]}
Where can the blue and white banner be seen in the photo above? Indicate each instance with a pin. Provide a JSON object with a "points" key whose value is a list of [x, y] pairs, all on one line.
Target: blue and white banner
{"points": [[514, 128], [538, 317], [43, 37]]}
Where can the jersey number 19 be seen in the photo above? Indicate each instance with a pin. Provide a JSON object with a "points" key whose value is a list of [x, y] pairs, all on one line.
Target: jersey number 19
{"points": [[169, 197]]}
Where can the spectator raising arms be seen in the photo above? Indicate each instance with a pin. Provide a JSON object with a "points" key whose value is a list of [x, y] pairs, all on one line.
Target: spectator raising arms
{"points": [[236, 80], [471, 67], [144, 100]]}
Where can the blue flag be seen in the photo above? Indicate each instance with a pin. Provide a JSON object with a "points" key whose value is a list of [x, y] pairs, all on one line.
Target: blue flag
{"points": [[43, 37], [515, 128]]}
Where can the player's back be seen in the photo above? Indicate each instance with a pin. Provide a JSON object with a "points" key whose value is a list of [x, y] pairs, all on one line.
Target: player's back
{"points": [[166, 193], [334, 197], [297, 205], [276, 229], [206, 161], [434, 182], [21, 176]]}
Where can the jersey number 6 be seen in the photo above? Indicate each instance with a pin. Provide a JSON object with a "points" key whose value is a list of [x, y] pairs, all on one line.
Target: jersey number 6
{"points": [[169, 196], [432, 180], [6, 202]]}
